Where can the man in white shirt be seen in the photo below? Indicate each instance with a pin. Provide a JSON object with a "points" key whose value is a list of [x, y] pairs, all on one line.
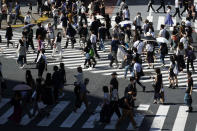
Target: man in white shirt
{"points": [[139, 45], [93, 40], [177, 9], [184, 40], [27, 18], [126, 13], [83, 13]]}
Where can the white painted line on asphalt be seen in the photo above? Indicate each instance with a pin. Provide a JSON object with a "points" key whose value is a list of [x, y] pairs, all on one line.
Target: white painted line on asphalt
{"points": [[3, 102], [113, 122], [54, 113], [196, 128], [73, 117], [161, 20], [93, 118], [26, 120], [4, 117], [181, 118], [139, 117], [159, 118]]}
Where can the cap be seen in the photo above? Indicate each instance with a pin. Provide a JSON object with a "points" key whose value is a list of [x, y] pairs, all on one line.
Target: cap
{"points": [[114, 73]]}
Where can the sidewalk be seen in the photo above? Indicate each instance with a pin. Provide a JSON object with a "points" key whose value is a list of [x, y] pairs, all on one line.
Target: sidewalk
{"points": [[24, 12]]}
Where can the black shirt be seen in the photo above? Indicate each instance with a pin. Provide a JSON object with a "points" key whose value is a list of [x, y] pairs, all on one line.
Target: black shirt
{"points": [[114, 83], [102, 32], [190, 85]]}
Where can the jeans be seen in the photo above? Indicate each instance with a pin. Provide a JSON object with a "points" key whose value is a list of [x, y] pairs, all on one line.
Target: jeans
{"points": [[128, 67], [114, 58], [102, 46], [22, 59], [187, 100]]}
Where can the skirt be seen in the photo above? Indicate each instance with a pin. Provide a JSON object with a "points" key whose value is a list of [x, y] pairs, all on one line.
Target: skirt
{"points": [[150, 57], [169, 20]]}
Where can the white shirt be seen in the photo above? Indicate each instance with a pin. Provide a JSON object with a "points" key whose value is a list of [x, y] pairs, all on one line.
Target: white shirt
{"points": [[83, 10], [149, 47], [27, 19], [137, 67], [176, 3], [93, 38], [39, 57], [126, 13], [184, 41], [139, 45]]}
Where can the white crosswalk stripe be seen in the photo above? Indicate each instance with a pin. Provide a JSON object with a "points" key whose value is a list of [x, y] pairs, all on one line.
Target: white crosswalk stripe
{"points": [[73, 117], [72, 58]]}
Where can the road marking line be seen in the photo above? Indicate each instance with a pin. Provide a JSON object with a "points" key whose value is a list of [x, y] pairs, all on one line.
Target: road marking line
{"points": [[160, 117], [73, 117], [3, 102], [53, 114], [93, 118], [181, 118], [139, 117], [4, 117]]}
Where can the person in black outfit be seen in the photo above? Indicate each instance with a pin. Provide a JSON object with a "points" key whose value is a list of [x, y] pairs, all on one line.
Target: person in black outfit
{"points": [[9, 35], [95, 26], [188, 92], [114, 95], [177, 12], [162, 5], [39, 5], [150, 5], [56, 82], [186, 5], [71, 32], [108, 26], [118, 18], [30, 39], [40, 31]]}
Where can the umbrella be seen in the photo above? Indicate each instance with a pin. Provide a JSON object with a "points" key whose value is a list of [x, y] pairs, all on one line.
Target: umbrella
{"points": [[126, 22], [28, 25], [162, 40], [21, 87], [149, 38], [99, 17]]}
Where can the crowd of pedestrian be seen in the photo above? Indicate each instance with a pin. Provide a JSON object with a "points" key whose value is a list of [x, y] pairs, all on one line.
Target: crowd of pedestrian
{"points": [[127, 47]]}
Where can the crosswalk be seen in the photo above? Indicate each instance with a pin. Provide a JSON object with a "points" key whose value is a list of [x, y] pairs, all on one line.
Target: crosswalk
{"points": [[73, 58], [142, 112]]}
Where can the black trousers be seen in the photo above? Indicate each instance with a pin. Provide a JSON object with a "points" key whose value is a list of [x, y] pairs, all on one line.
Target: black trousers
{"points": [[177, 11], [30, 43], [138, 80], [185, 8], [162, 5], [114, 108], [190, 62], [151, 6]]}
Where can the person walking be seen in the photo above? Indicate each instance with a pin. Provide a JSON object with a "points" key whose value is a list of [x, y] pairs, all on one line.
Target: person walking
{"points": [[173, 73], [9, 35], [186, 6], [56, 82], [162, 4], [18, 13], [93, 40], [114, 95], [169, 20], [177, 9], [71, 32], [101, 37], [190, 58], [41, 63], [188, 92], [63, 80], [150, 5], [128, 62], [21, 53], [30, 39], [158, 87], [16, 116], [138, 72], [114, 49], [57, 45], [127, 104], [126, 13]]}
